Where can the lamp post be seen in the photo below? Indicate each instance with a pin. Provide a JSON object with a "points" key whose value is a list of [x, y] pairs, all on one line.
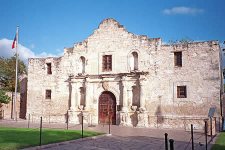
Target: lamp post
{"points": [[82, 124]]}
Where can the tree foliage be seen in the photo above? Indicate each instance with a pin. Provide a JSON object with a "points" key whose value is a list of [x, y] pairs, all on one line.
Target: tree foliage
{"points": [[8, 72], [3, 97]]}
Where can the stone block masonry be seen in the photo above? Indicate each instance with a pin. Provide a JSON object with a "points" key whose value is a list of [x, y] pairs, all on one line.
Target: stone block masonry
{"points": [[132, 79]]}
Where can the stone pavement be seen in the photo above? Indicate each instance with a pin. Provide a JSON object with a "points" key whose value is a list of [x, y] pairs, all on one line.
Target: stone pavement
{"points": [[121, 138]]}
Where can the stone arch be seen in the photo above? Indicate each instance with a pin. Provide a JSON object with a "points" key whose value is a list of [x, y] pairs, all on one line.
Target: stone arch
{"points": [[110, 89]]}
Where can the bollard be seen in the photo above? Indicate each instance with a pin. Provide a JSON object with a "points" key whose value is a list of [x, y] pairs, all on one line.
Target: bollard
{"points": [[192, 137], [206, 135], [29, 121], [109, 124], [3, 112], [82, 126], [40, 131], [171, 144], [67, 121], [166, 141]]}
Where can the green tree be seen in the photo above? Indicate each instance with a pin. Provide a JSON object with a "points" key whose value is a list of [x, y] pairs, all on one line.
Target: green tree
{"points": [[8, 72], [3, 97]]}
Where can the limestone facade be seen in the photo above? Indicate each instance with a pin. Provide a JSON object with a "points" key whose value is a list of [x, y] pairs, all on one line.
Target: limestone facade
{"points": [[141, 74]]}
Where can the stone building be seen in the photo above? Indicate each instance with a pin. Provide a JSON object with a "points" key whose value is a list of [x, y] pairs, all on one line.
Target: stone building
{"points": [[133, 80]]}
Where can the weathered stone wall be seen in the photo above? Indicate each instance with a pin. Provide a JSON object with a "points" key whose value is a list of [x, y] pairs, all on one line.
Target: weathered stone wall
{"points": [[39, 81], [200, 72], [152, 86]]}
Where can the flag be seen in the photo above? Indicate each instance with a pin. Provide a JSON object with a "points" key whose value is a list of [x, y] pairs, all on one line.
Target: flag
{"points": [[14, 43]]}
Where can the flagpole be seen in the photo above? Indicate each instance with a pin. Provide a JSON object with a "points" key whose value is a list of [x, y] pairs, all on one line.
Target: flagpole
{"points": [[15, 95]]}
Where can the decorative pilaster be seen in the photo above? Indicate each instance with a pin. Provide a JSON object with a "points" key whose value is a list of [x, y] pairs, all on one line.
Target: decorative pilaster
{"points": [[125, 106], [73, 97], [142, 115], [125, 114], [78, 98], [75, 111], [142, 95], [72, 112], [129, 95], [87, 97]]}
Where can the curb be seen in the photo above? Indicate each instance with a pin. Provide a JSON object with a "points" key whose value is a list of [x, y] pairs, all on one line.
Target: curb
{"points": [[65, 142]]}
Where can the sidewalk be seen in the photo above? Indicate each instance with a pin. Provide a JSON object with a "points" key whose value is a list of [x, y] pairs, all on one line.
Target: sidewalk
{"points": [[121, 137]]}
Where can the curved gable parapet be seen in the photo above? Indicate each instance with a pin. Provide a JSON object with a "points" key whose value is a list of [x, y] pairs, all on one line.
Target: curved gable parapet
{"points": [[110, 22], [111, 32]]}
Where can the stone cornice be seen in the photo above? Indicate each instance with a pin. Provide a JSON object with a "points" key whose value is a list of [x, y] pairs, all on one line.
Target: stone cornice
{"points": [[114, 75]]}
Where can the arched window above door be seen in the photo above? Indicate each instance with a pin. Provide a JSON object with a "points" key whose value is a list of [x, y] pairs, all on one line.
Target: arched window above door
{"points": [[134, 61], [81, 65]]}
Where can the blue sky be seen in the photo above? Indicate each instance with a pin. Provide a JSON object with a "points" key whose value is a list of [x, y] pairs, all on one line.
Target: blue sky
{"points": [[47, 26]]}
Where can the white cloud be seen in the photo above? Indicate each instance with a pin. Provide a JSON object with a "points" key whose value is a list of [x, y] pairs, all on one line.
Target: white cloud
{"points": [[182, 10], [24, 52], [32, 46]]}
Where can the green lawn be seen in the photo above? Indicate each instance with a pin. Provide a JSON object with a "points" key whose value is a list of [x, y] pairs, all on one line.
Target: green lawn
{"points": [[220, 142], [16, 138]]}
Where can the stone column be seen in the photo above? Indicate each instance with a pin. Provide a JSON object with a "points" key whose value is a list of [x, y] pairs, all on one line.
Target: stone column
{"points": [[129, 95], [72, 113], [87, 95], [142, 115], [125, 106], [78, 98], [142, 96], [125, 114], [73, 97]]}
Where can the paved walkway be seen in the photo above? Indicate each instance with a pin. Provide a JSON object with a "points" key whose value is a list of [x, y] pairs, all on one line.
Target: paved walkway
{"points": [[121, 138]]}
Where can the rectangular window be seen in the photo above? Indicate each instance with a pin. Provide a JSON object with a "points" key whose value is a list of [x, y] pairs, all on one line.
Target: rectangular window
{"points": [[181, 92], [48, 94], [178, 59], [107, 63], [49, 68]]}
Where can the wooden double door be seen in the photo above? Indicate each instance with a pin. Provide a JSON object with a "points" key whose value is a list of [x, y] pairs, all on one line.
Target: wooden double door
{"points": [[107, 108]]}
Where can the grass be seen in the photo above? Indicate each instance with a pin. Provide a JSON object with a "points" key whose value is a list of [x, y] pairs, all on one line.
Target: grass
{"points": [[220, 142], [17, 138]]}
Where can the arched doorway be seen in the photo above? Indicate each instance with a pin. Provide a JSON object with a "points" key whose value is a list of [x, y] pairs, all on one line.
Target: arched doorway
{"points": [[107, 108]]}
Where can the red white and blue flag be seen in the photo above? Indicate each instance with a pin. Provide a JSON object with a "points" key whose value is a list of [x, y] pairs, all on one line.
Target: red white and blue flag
{"points": [[14, 43]]}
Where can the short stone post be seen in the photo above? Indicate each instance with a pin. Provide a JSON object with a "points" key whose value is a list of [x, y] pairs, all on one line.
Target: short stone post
{"points": [[192, 137], [166, 141], [40, 131], [82, 124], [67, 120], [109, 123], [171, 144]]}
